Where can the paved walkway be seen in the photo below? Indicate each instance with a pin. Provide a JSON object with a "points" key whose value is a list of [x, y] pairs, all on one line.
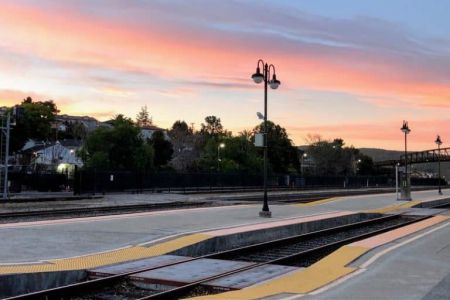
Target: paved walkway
{"points": [[417, 270]]}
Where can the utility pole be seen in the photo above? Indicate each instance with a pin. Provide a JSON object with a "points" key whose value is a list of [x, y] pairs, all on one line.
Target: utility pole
{"points": [[6, 131]]}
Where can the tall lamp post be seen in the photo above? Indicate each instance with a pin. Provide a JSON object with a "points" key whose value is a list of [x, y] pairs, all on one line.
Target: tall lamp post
{"points": [[438, 142], [406, 192], [259, 77], [220, 146]]}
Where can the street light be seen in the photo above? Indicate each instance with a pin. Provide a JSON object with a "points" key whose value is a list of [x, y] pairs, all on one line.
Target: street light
{"points": [[220, 146], [439, 143], [259, 77], [406, 192], [305, 155]]}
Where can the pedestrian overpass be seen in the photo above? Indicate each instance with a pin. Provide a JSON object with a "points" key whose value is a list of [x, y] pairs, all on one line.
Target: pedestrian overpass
{"points": [[427, 156]]}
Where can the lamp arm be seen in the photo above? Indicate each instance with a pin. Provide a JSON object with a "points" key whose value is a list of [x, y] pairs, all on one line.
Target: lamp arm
{"points": [[260, 61], [273, 67]]}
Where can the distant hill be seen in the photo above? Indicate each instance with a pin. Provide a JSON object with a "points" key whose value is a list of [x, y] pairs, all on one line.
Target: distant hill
{"points": [[381, 154], [375, 153]]}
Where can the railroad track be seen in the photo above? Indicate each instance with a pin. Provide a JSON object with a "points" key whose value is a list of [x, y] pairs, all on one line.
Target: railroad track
{"points": [[444, 205], [93, 211], [299, 250]]}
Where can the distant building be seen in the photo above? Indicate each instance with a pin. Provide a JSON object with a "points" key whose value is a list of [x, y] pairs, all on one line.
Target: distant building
{"points": [[60, 156], [148, 131], [3, 110], [62, 122]]}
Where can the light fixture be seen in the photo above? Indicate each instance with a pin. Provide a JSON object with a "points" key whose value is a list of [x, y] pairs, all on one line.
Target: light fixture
{"points": [[274, 83], [438, 140], [258, 77]]}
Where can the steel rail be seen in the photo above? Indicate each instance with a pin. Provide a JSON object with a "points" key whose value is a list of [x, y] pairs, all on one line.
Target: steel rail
{"points": [[104, 209]]}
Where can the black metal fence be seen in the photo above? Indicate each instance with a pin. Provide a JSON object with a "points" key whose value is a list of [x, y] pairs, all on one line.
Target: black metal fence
{"points": [[103, 182], [42, 182], [93, 182]]}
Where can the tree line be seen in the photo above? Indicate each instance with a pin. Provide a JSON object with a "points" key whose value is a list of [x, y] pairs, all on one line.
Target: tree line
{"points": [[122, 146]]}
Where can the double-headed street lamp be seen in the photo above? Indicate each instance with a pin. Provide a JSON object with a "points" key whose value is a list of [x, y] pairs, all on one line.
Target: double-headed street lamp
{"points": [[259, 77], [439, 143], [220, 146], [406, 192]]}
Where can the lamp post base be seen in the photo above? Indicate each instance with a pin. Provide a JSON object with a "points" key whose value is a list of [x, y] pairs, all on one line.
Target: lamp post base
{"points": [[265, 214], [405, 194], [405, 190]]}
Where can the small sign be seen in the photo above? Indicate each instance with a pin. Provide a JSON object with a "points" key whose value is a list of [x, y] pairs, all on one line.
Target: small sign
{"points": [[111, 178], [259, 140]]}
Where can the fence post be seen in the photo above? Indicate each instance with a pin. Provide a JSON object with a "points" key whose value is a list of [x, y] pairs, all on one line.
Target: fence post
{"points": [[95, 180]]}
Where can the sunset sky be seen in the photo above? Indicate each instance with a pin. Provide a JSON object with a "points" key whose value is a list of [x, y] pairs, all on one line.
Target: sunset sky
{"points": [[349, 69]]}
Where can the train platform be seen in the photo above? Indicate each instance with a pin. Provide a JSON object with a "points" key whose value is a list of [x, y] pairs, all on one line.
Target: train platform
{"points": [[38, 201], [93, 242]]}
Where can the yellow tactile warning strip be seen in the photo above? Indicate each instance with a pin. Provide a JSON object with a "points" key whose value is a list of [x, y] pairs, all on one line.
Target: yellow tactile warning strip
{"points": [[325, 271], [393, 235], [138, 252], [395, 207], [318, 202], [105, 258]]}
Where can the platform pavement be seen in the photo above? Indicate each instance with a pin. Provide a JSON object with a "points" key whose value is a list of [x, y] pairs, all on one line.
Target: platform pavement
{"points": [[419, 269], [45, 240]]}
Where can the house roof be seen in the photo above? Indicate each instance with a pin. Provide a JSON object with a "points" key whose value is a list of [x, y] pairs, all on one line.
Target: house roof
{"points": [[70, 143], [152, 127]]}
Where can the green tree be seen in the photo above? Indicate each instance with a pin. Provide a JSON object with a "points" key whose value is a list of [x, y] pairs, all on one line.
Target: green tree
{"points": [[117, 148], [35, 123], [238, 155], [283, 156], [143, 118], [163, 149], [180, 134], [365, 165], [332, 157], [186, 146], [212, 127]]}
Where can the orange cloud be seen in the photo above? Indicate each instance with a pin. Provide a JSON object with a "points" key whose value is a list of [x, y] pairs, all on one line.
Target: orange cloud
{"points": [[381, 134], [13, 97]]}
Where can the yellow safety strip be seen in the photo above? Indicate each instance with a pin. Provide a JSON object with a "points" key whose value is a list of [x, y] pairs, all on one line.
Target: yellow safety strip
{"points": [[318, 202], [394, 207], [105, 258]]}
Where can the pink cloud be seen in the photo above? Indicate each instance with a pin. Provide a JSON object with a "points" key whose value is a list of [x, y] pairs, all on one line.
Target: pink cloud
{"points": [[383, 73], [176, 52]]}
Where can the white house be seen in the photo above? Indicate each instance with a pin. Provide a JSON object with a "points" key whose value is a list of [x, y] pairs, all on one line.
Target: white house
{"points": [[61, 155]]}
